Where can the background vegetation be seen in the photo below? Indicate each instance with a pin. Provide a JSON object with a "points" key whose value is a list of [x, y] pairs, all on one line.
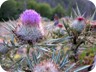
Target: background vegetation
{"points": [[47, 8], [68, 49]]}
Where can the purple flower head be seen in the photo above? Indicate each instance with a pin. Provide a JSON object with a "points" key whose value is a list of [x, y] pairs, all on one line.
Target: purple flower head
{"points": [[30, 17]]}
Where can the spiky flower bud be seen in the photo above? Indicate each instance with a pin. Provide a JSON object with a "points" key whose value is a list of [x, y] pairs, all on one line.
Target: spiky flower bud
{"points": [[30, 28], [78, 24], [46, 66], [60, 25], [59, 29]]}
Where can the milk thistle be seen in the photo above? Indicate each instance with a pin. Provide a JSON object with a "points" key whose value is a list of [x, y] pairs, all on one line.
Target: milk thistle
{"points": [[30, 27]]}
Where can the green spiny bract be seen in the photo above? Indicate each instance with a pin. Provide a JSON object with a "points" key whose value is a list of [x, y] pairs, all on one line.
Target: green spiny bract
{"points": [[27, 33], [3, 47]]}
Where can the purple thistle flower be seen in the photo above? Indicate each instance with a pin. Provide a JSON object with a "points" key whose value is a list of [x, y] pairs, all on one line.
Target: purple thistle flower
{"points": [[30, 17], [30, 27]]}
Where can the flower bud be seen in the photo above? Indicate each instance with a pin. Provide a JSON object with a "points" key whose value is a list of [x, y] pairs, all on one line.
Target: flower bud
{"points": [[79, 24]]}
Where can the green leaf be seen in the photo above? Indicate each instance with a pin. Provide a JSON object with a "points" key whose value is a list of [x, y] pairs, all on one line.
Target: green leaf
{"points": [[70, 67], [13, 24], [83, 14], [53, 55], [75, 13], [78, 11], [64, 61], [18, 62], [57, 59], [92, 17], [81, 68], [67, 27], [50, 45], [34, 58], [71, 16], [53, 40], [59, 40], [38, 56], [43, 49], [12, 43], [29, 62], [8, 25]]}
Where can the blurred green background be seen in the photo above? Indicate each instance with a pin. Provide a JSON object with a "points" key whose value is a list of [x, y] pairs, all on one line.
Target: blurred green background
{"points": [[47, 8]]}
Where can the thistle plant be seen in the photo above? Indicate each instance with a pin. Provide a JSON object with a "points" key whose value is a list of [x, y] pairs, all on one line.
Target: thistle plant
{"points": [[77, 33], [79, 30], [44, 56], [30, 29], [26, 31]]}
